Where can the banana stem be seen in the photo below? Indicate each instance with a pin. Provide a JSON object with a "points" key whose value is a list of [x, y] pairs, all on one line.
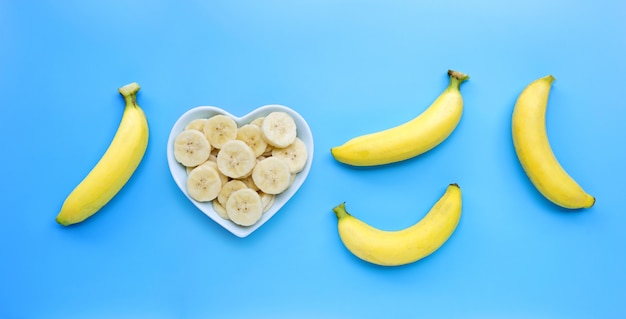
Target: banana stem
{"points": [[129, 92], [456, 78], [340, 211]]}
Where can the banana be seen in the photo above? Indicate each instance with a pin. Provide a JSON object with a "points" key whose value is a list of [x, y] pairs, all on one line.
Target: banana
{"points": [[236, 159], [268, 151], [223, 178], [220, 209], [191, 148], [534, 152], [116, 166], [267, 200], [220, 129], [295, 155], [258, 121], [229, 188], [197, 124], [188, 169], [244, 207], [251, 135], [271, 175], [412, 138], [279, 129], [203, 183], [395, 248], [292, 178], [249, 182]]}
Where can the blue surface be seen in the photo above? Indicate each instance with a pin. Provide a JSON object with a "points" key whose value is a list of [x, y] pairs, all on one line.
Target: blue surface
{"points": [[348, 67]]}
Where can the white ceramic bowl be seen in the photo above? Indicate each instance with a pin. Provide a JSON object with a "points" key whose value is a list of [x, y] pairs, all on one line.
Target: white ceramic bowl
{"points": [[180, 175]]}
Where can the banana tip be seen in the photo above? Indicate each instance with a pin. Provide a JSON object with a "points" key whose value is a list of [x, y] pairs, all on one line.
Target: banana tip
{"points": [[340, 210], [458, 75], [62, 221], [129, 89]]}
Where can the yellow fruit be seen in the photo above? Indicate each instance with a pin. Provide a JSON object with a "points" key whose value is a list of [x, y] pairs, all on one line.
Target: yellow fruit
{"points": [[394, 248], [115, 167], [534, 152], [412, 138]]}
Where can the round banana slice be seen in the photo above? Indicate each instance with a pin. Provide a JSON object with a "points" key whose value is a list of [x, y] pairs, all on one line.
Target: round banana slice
{"points": [[271, 175], [191, 148], [197, 124], [188, 169], [258, 121], [249, 182], [267, 200], [236, 159], [251, 135], [220, 210], [295, 155], [229, 188], [213, 164], [244, 207], [268, 151], [292, 179], [203, 184], [214, 152], [220, 129], [279, 129]]}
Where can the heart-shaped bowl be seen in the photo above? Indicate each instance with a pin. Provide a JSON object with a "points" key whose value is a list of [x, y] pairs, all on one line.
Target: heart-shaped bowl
{"points": [[179, 172]]}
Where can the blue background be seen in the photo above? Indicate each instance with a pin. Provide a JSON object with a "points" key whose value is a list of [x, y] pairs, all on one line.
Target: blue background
{"points": [[348, 67]]}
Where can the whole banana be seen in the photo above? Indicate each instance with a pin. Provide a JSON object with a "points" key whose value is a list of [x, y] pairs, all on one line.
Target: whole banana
{"points": [[394, 248], [115, 167], [534, 152], [412, 138]]}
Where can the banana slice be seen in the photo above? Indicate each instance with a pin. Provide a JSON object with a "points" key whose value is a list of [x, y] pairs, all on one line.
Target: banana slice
{"points": [[249, 182], [279, 129], [236, 159], [267, 200], [220, 209], [271, 175], [191, 148], [213, 164], [203, 184], [258, 121], [295, 155], [268, 151], [292, 178], [244, 207], [214, 152], [251, 135], [229, 188], [188, 169], [220, 129], [212, 158], [197, 124]]}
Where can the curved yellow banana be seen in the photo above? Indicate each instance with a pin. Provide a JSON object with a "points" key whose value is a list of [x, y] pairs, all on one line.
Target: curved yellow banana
{"points": [[534, 152], [115, 167], [394, 248], [412, 138]]}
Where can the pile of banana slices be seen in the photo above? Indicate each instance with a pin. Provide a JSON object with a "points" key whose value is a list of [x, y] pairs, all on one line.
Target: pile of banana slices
{"points": [[240, 169]]}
